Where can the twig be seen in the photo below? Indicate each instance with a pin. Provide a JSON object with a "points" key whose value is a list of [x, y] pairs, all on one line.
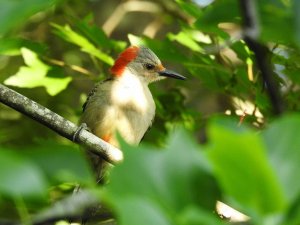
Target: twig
{"points": [[262, 53], [72, 67], [60, 125]]}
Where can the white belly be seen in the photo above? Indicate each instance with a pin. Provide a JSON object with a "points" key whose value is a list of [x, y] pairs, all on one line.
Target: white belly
{"points": [[135, 109], [123, 105]]}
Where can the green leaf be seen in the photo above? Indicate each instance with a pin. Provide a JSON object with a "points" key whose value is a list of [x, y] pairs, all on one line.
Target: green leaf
{"points": [[243, 170], [195, 216], [217, 13], [163, 182], [274, 14], [190, 7], [12, 46], [61, 163], [14, 13], [69, 35], [241, 49], [93, 33], [97, 36], [186, 40], [166, 50], [296, 16], [283, 146], [146, 211], [210, 73], [34, 75], [20, 177]]}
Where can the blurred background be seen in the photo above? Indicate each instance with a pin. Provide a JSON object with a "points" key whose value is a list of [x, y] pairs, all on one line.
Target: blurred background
{"points": [[62, 37], [55, 51]]}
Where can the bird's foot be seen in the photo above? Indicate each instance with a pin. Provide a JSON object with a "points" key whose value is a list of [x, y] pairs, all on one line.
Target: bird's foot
{"points": [[81, 127]]}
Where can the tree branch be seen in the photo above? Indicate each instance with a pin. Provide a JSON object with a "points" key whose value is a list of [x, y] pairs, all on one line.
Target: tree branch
{"points": [[60, 125], [262, 53]]}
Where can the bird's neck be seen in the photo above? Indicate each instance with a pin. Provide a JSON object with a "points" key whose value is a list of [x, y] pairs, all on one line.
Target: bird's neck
{"points": [[129, 89], [128, 78]]}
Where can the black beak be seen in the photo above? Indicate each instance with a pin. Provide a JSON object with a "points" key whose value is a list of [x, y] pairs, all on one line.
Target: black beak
{"points": [[172, 74]]}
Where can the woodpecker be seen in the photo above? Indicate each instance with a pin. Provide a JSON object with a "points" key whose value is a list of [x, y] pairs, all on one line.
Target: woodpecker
{"points": [[123, 103]]}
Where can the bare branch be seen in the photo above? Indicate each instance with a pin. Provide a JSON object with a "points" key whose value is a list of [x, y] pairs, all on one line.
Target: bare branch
{"points": [[156, 8], [60, 125], [122, 9], [262, 53], [152, 28]]}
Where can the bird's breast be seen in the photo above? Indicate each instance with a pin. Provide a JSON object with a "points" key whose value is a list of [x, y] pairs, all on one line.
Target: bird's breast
{"points": [[135, 110], [133, 96]]}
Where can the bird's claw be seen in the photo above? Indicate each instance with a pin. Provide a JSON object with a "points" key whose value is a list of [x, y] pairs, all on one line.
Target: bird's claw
{"points": [[81, 127]]}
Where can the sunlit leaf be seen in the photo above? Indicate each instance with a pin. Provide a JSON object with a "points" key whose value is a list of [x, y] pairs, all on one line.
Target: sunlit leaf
{"points": [[34, 74], [135, 40], [66, 33], [97, 36], [185, 39]]}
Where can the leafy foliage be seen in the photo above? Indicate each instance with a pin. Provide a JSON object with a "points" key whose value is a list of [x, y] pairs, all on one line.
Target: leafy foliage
{"points": [[34, 74], [53, 52], [14, 13], [170, 188], [260, 191], [69, 35]]}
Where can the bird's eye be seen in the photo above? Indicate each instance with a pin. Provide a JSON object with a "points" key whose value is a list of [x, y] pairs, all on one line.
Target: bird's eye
{"points": [[149, 66]]}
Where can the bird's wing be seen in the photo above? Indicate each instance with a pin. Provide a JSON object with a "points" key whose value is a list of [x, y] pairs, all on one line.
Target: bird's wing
{"points": [[93, 91]]}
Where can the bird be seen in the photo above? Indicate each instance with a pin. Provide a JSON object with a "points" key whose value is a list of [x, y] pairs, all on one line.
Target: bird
{"points": [[123, 103]]}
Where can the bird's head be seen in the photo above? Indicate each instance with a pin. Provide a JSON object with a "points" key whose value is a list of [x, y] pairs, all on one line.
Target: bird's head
{"points": [[142, 62]]}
